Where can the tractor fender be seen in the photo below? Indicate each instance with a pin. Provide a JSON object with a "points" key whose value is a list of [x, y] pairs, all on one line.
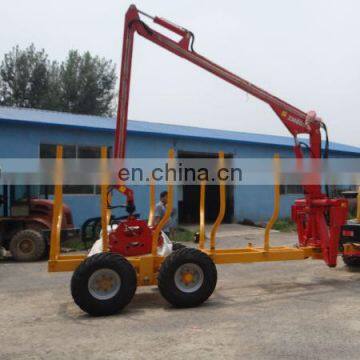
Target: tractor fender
{"points": [[37, 220]]}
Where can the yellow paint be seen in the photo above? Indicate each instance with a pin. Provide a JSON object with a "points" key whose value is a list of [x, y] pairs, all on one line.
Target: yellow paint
{"points": [[146, 270], [57, 261], [63, 265], [187, 278], [152, 203], [221, 213], [202, 216], [248, 255], [351, 249], [72, 257], [58, 206], [147, 266], [169, 206], [275, 214]]}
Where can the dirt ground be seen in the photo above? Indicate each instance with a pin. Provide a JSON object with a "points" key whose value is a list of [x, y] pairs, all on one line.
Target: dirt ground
{"points": [[284, 310]]}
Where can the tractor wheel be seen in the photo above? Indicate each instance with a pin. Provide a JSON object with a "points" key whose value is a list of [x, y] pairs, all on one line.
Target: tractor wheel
{"points": [[177, 246], [351, 261], [27, 245], [103, 284], [187, 278]]}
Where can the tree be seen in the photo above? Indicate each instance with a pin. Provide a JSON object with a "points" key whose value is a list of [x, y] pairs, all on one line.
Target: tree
{"points": [[24, 78], [82, 84], [87, 84], [54, 92]]}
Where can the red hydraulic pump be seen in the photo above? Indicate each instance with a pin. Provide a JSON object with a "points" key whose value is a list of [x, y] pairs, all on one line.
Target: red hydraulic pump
{"points": [[132, 236], [319, 218]]}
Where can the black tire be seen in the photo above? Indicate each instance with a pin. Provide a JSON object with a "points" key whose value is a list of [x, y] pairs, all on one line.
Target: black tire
{"points": [[351, 261], [168, 273], [104, 261], [27, 245], [177, 246]]}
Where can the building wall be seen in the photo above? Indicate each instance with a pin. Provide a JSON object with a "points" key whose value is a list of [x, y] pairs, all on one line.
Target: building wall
{"points": [[251, 202]]}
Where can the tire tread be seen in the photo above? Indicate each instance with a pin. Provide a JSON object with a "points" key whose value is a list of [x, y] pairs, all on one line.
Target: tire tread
{"points": [[79, 284], [166, 283], [40, 245], [351, 261]]}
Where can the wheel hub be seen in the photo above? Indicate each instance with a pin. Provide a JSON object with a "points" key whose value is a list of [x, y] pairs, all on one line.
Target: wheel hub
{"points": [[189, 277], [26, 246], [104, 284]]}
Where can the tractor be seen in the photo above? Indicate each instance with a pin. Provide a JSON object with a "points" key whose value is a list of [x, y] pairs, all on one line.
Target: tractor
{"points": [[26, 221]]}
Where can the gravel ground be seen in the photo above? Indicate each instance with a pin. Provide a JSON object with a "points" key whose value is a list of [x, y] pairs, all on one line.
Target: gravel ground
{"points": [[287, 310]]}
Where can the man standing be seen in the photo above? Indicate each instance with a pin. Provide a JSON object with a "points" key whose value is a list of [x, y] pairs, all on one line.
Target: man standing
{"points": [[160, 210]]}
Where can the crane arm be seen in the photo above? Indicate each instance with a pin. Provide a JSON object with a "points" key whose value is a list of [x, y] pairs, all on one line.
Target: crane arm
{"points": [[318, 217], [295, 120]]}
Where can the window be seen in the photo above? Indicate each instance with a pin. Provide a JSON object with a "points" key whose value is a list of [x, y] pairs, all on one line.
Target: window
{"points": [[48, 151], [89, 152], [291, 189]]}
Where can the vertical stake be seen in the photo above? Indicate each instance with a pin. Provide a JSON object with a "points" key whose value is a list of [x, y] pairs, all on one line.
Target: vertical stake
{"points": [[275, 215]]}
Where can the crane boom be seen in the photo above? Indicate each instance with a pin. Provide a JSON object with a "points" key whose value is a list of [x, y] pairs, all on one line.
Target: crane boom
{"points": [[319, 218], [293, 118]]}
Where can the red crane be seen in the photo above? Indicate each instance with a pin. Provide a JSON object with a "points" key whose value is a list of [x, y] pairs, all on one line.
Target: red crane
{"points": [[319, 219]]}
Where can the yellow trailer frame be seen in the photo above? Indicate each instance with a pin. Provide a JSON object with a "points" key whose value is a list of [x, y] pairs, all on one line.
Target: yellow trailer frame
{"points": [[147, 266]]}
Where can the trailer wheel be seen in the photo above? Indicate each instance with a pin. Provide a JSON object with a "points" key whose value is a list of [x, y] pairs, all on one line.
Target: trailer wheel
{"points": [[27, 245], [103, 284], [351, 261], [177, 246], [187, 278]]}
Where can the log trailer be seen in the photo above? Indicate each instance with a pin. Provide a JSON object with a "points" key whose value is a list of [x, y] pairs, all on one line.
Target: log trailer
{"points": [[104, 283]]}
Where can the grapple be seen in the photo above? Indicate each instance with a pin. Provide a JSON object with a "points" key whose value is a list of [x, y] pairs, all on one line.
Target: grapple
{"points": [[319, 223]]}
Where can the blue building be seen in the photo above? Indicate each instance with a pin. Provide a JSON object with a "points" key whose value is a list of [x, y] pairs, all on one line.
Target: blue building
{"points": [[28, 133]]}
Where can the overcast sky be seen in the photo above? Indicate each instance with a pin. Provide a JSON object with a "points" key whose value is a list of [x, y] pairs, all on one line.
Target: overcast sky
{"points": [[306, 52]]}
